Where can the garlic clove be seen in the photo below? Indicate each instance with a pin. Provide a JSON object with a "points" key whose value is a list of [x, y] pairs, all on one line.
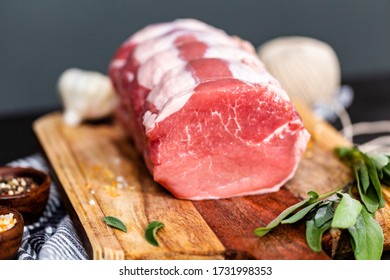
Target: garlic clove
{"points": [[86, 95], [72, 118]]}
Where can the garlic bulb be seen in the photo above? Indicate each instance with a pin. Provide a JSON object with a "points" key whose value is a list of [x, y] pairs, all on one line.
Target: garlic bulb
{"points": [[308, 69], [86, 95]]}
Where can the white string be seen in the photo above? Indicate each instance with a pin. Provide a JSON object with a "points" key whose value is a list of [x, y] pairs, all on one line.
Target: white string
{"points": [[350, 130], [345, 120], [379, 144], [370, 127]]}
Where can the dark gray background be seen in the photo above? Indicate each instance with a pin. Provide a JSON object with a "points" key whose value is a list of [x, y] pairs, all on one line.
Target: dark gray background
{"points": [[40, 39]]}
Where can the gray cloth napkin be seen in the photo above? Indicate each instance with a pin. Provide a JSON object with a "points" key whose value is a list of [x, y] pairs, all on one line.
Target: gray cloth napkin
{"points": [[53, 236]]}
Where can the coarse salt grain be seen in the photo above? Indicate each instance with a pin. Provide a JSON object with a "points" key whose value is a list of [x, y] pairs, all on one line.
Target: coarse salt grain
{"points": [[7, 222], [121, 182]]}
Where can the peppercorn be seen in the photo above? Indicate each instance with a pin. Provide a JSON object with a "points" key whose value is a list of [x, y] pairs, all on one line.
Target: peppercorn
{"points": [[16, 186]]}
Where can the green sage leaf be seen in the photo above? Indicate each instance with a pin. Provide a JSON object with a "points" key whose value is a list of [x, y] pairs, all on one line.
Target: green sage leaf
{"points": [[150, 232], [369, 198], [363, 177], [115, 222], [314, 235], [300, 214], [346, 212], [313, 196], [380, 175], [366, 237], [380, 160], [344, 152], [324, 214], [372, 172]]}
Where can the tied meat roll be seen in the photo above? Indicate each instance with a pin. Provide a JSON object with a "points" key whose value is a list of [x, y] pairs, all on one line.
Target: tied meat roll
{"points": [[205, 114]]}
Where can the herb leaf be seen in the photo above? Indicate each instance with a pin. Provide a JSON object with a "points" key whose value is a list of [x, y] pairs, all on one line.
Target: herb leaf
{"points": [[346, 212], [150, 232], [363, 177], [380, 160], [368, 172], [314, 235], [300, 214], [313, 196], [323, 215], [115, 222], [344, 152], [372, 172], [338, 209], [366, 237], [369, 198], [264, 230]]}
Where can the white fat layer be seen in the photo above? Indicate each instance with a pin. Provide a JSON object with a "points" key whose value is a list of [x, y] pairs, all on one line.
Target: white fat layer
{"points": [[233, 53], [151, 72], [277, 133], [170, 95], [118, 63], [156, 30], [174, 82], [249, 74], [151, 47], [277, 88], [178, 84], [281, 130]]}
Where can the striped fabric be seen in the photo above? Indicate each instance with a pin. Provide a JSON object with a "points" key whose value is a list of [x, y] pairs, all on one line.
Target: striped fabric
{"points": [[53, 236]]}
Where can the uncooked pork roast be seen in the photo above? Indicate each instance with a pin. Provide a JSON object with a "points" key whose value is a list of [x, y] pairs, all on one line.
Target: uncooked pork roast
{"points": [[208, 119]]}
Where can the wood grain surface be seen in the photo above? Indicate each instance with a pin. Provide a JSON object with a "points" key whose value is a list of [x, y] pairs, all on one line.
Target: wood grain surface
{"points": [[100, 174]]}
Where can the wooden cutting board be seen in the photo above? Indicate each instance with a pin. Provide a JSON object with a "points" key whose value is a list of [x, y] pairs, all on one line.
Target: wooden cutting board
{"points": [[100, 174]]}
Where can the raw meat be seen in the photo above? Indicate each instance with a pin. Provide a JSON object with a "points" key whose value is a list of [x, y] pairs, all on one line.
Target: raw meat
{"points": [[205, 114]]}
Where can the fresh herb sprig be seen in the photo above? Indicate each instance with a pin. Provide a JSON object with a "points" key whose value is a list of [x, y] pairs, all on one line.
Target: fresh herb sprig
{"points": [[151, 231], [369, 171], [115, 223], [339, 209]]}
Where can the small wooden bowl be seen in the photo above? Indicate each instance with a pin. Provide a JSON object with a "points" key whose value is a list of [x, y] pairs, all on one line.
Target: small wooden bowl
{"points": [[11, 239], [30, 204]]}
